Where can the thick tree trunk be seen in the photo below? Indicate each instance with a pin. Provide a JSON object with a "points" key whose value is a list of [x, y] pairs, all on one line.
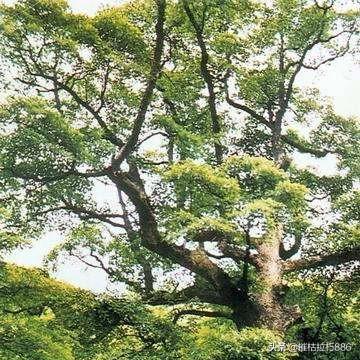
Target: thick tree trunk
{"points": [[265, 308], [271, 312]]}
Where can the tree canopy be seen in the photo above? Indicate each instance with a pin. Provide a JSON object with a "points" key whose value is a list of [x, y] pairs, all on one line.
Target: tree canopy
{"points": [[160, 137]]}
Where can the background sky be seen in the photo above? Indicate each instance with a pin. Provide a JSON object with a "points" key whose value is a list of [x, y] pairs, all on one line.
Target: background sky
{"points": [[91, 6], [340, 81]]}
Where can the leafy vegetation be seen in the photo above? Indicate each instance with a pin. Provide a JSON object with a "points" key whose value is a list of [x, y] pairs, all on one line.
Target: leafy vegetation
{"points": [[160, 138]]}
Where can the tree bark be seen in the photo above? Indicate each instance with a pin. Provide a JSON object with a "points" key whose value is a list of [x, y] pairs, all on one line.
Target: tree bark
{"points": [[265, 308]]}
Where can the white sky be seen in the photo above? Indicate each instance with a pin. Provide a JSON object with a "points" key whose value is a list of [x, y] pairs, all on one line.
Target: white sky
{"points": [[339, 81], [90, 7]]}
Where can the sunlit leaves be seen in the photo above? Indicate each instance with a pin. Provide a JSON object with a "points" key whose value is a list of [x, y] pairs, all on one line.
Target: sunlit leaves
{"points": [[79, 84], [293, 195], [349, 205], [251, 190], [260, 87], [118, 33], [32, 125], [202, 187], [41, 318], [33, 339], [341, 135], [257, 176], [221, 342]]}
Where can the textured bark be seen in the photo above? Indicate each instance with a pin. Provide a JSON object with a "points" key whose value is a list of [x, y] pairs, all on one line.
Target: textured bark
{"points": [[265, 308], [271, 313]]}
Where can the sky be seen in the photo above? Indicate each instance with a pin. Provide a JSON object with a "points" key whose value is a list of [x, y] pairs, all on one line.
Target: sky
{"points": [[90, 7], [340, 81]]}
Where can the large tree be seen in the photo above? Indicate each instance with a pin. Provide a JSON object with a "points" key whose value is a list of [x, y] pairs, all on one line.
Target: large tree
{"points": [[160, 137]]}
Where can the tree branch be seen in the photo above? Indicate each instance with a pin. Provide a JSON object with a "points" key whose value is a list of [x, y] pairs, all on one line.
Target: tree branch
{"points": [[87, 263], [109, 135], [104, 87], [341, 257], [132, 234], [195, 260], [237, 254], [216, 128], [149, 90], [91, 214], [58, 177], [305, 148], [287, 254], [190, 294], [300, 64]]}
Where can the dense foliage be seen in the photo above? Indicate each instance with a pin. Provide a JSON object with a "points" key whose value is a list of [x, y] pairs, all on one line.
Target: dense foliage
{"points": [[162, 138]]}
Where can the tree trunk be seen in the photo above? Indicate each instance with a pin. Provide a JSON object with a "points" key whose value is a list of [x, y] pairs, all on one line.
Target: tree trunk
{"points": [[271, 311], [265, 308]]}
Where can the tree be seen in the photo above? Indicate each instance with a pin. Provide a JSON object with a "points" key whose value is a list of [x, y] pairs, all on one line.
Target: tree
{"points": [[187, 114], [44, 319]]}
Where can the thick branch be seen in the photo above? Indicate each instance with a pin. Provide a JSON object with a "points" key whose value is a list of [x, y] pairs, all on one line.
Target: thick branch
{"points": [[195, 261], [249, 111], [237, 254], [205, 72], [341, 257], [190, 294], [208, 236], [148, 93], [305, 148]]}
